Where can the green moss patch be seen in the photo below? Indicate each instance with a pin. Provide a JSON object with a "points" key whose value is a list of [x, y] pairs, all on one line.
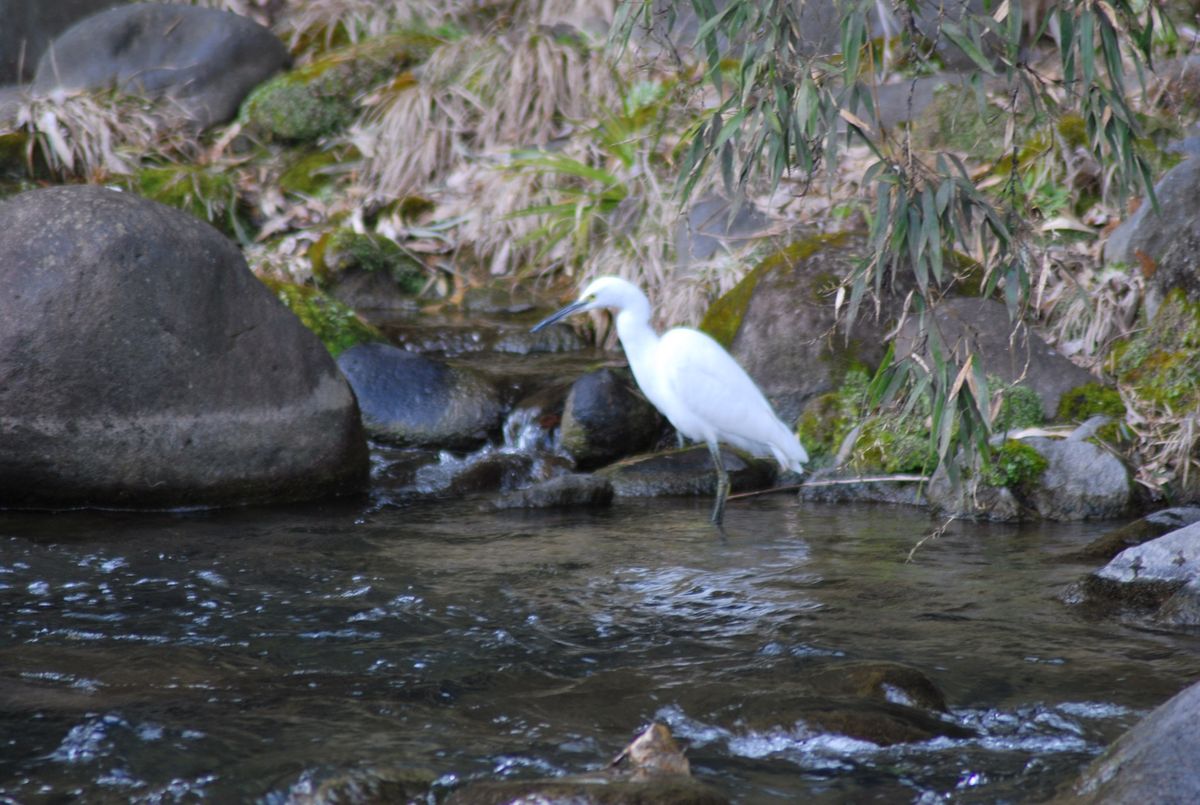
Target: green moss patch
{"points": [[1088, 400], [1162, 362], [210, 194], [338, 326], [1015, 465], [724, 316], [1020, 407], [321, 98], [344, 250]]}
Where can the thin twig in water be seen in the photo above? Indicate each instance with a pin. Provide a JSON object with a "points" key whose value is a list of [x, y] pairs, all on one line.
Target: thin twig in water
{"points": [[934, 534]]}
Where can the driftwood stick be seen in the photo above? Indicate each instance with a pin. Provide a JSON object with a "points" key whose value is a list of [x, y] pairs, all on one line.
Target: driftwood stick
{"points": [[864, 479]]}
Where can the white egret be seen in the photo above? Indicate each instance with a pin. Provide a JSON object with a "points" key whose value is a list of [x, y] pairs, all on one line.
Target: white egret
{"points": [[693, 381]]}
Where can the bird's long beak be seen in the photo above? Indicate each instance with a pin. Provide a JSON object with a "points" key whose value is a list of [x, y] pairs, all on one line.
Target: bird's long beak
{"points": [[562, 314]]}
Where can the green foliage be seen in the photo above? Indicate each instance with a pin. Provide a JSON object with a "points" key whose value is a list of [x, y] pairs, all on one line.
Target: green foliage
{"points": [[210, 193], [1020, 407], [827, 420], [345, 249], [1088, 400], [338, 327], [894, 442], [1015, 465], [783, 106]]}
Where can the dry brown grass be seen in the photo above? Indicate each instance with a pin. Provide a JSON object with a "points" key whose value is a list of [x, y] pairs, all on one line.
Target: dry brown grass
{"points": [[94, 136]]}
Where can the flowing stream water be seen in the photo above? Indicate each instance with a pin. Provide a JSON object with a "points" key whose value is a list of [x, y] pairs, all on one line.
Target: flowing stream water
{"points": [[242, 655]]}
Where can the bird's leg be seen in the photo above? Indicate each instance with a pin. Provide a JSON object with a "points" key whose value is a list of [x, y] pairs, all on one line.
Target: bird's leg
{"points": [[718, 513]]}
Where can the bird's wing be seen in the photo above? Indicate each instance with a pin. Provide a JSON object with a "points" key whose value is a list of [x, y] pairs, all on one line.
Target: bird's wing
{"points": [[714, 391]]}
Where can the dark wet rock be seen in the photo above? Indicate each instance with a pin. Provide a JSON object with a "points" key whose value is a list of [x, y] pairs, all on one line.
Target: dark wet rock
{"points": [[1163, 243], [848, 489], [410, 400], [1008, 351], [398, 467], [1147, 528], [142, 364], [606, 417], [574, 489], [982, 502], [1082, 481], [1156, 761], [371, 785], [204, 60], [779, 323], [688, 471], [1160, 577], [30, 25], [798, 709], [879, 680], [494, 472]]}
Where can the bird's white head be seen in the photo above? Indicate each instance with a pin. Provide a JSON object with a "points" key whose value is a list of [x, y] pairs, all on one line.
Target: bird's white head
{"points": [[603, 292]]}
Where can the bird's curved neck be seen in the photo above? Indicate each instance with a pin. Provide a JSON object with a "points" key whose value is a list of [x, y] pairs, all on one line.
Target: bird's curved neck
{"points": [[633, 325]]}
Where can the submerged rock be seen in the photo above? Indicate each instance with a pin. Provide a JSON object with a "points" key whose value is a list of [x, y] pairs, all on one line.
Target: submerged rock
{"points": [[605, 417], [142, 364], [688, 471], [1156, 761], [565, 490], [410, 400], [203, 59]]}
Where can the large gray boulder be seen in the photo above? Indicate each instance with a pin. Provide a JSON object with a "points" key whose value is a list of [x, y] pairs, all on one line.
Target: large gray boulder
{"points": [[1164, 243], [142, 364], [780, 324], [1160, 578], [203, 59], [1082, 481], [1006, 349], [1156, 761], [27, 26]]}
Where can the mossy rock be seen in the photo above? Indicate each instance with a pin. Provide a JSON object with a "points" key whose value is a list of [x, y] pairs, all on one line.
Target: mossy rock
{"points": [[1088, 400], [1020, 407], [828, 418], [210, 194], [955, 121], [321, 98], [336, 324], [1162, 362], [344, 250], [1015, 465], [894, 443], [779, 322]]}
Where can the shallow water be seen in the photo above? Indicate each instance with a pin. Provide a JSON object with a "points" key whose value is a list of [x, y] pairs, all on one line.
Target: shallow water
{"points": [[239, 655]]}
